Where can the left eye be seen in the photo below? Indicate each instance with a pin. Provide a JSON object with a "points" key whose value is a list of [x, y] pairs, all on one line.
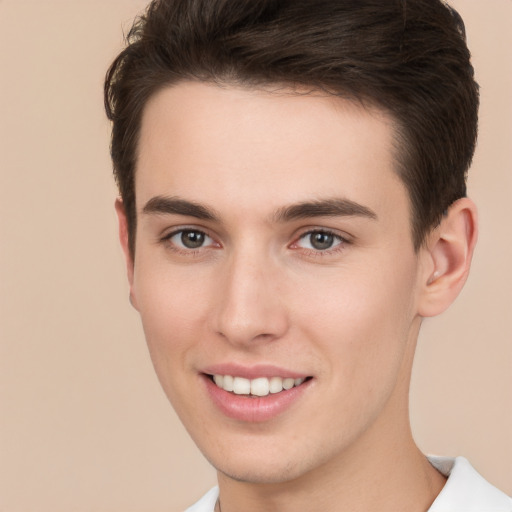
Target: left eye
{"points": [[190, 239], [319, 240]]}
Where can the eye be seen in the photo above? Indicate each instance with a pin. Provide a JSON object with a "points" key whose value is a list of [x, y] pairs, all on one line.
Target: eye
{"points": [[189, 239], [319, 240]]}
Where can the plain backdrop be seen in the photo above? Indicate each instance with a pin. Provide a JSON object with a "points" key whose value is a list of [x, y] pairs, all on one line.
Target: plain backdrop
{"points": [[84, 426]]}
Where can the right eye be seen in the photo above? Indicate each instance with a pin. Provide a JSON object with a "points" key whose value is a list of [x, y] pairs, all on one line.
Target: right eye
{"points": [[189, 239]]}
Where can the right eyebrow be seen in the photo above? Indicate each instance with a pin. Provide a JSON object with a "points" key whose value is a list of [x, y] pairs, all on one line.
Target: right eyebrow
{"points": [[176, 206]]}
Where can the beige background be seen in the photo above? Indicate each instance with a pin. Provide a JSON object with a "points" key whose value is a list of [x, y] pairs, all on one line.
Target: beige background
{"points": [[84, 426]]}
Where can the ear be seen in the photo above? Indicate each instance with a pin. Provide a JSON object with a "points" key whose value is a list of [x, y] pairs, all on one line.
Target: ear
{"points": [[448, 252], [124, 239]]}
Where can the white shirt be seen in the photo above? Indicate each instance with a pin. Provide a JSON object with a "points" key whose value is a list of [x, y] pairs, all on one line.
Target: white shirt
{"points": [[464, 491]]}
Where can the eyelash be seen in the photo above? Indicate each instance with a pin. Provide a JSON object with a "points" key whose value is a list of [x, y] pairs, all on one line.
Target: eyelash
{"points": [[342, 242]]}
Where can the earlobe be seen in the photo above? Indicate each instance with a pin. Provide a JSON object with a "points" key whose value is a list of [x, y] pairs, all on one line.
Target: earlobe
{"points": [[449, 249], [125, 245]]}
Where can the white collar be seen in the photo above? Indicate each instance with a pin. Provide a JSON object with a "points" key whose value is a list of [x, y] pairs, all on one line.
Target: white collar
{"points": [[465, 490], [206, 503]]}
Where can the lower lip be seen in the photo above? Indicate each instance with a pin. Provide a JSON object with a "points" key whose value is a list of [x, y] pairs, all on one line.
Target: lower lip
{"points": [[253, 409]]}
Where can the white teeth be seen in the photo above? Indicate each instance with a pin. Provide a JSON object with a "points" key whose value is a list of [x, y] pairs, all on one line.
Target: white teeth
{"points": [[227, 383], [241, 386], [256, 387], [260, 387], [275, 385], [288, 383]]}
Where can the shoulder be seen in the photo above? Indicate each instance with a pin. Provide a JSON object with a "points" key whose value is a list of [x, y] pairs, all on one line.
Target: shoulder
{"points": [[206, 503], [465, 490]]}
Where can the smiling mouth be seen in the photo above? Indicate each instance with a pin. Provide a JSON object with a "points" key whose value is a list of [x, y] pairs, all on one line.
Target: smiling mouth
{"points": [[261, 386]]}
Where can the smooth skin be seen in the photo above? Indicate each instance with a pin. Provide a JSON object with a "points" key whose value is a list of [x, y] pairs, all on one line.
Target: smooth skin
{"points": [[338, 296]]}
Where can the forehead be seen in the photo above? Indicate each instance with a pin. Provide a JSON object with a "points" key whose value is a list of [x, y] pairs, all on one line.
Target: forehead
{"points": [[261, 149]]}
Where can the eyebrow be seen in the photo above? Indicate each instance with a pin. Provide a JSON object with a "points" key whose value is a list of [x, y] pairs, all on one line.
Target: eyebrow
{"points": [[335, 207], [176, 206]]}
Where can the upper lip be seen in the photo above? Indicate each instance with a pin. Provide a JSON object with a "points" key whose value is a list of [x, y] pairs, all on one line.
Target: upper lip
{"points": [[252, 372]]}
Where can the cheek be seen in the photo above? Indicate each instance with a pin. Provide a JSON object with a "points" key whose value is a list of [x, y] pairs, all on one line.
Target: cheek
{"points": [[363, 320], [173, 309]]}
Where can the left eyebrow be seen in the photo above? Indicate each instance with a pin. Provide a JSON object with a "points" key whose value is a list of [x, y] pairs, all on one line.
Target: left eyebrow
{"points": [[335, 207]]}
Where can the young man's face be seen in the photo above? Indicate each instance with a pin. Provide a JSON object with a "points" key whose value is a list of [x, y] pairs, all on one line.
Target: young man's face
{"points": [[274, 242]]}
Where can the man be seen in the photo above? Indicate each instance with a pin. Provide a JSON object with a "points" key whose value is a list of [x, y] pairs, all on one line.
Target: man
{"points": [[293, 204]]}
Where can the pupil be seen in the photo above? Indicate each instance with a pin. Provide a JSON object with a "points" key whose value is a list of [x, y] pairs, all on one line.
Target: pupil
{"points": [[322, 241], [192, 239]]}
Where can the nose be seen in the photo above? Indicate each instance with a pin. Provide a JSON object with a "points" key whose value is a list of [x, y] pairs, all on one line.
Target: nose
{"points": [[250, 307]]}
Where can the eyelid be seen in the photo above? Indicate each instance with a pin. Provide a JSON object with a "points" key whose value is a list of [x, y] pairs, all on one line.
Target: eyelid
{"points": [[307, 230], [171, 231]]}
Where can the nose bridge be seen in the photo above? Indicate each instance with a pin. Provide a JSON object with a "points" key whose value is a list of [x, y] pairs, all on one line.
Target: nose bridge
{"points": [[250, 306]]}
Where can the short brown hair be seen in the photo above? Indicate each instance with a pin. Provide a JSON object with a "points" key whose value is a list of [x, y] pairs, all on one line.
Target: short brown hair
{"points": [[407, 57]]}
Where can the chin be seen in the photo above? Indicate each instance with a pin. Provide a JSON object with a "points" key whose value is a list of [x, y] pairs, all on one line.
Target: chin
{"points": [[266, 467], [255, 474]]}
